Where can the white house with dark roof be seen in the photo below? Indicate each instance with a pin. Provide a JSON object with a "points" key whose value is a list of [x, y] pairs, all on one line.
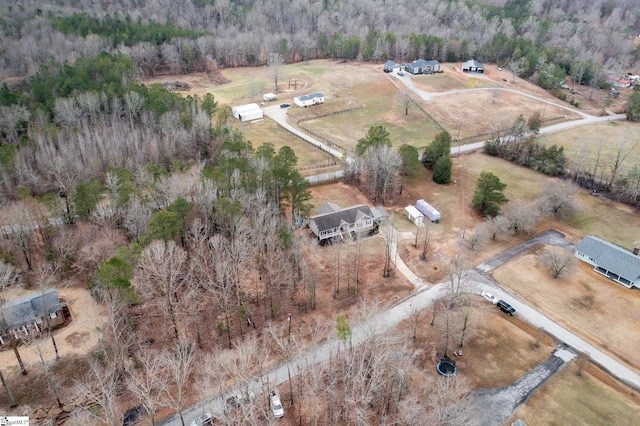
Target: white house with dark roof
{"points": [[473, 66], [421, 66], [341, 222], [610, 260], [309, 100]]}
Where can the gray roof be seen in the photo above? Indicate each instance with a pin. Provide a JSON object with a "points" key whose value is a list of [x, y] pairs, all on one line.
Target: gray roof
{"points": [[333, 220], [378, 213], [424, 63], [391, 64], [29, 309], [611, 257], [328, 207], [310, 96], [518, 423], [472, 63]]}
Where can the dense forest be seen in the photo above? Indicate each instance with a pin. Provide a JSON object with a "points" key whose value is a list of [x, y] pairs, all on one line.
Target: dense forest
{"points": [[192, 35], [170, 215]]}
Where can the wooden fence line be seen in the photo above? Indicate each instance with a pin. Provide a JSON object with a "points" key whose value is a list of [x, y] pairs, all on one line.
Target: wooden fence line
{"points": [[328, 142]]}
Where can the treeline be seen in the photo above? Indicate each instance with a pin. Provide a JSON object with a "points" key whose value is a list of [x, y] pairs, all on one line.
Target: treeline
{"points": [[569, 37], [604, 170], [121, 31], [519, 145]]}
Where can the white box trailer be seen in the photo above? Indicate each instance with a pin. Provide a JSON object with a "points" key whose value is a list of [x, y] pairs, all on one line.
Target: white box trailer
{"points": [[429, 211], [268, 97], [413, 215]]}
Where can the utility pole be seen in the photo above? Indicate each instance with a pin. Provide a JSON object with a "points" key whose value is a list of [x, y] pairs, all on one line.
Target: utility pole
{"points": [[289, 321]]}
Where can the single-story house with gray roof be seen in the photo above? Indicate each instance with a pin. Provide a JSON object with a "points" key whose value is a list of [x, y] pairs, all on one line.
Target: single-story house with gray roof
{"points": [[309, 100], [473, 66], [341, 223], [30, 314], [610, 260], [421, 66]]}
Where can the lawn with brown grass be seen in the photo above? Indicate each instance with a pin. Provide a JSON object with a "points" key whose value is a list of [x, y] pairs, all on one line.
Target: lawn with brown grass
{"points": [[498, 350], [267, 131], [583, 144], [481, 111], [569, 399], [591, 306]]}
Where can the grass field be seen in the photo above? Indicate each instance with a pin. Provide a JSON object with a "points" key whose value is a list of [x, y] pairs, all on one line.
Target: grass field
{"points": [[267, 131], [581, 144], [585, 302], [569, 399]]}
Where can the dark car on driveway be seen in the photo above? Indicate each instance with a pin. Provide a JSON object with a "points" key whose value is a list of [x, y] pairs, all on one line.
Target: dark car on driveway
{"points": [[285, 105], [505, 307]]}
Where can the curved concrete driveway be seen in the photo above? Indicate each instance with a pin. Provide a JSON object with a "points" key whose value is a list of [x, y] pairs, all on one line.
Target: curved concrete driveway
{"points": [[279, 115]]}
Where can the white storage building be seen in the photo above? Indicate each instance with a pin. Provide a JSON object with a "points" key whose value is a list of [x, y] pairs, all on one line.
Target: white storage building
{"points": [[268, 97], [309, 100], [247, 112], [426, 209], [413, 215]]}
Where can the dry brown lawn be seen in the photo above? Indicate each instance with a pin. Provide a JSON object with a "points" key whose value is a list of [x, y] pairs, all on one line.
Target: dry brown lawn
{"points": [[581, 144], [350, 84], [592, 398], [498, 350], [267, 131], [593, 307]]}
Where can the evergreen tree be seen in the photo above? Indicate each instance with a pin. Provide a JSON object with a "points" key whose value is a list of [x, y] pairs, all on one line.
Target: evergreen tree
{"points": [[376, 136], [441, 146], [488, 194], [442, 170]]}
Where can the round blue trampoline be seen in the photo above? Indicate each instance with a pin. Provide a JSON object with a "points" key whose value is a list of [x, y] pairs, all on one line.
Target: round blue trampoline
{"points": [[446, 367]]}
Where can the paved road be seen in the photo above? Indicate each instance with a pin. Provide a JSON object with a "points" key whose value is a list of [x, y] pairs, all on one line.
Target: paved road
{"points": [[550, 236], [387, 320]]}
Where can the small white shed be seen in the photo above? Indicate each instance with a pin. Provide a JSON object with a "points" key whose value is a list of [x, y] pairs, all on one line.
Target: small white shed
{"points": [[309, 100], [429, 211], [247, 112], [268, 97], [413, 215]]}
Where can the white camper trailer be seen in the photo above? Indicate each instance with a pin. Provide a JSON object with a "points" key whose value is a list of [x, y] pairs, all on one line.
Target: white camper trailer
{"points": [[426, 209]]}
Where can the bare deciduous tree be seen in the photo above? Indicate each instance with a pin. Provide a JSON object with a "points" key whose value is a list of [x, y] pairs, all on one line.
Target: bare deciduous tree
{"points": [[449, 402], [8, 276], [179, 364], [475, 241], [558, 261], [100, 386], [558, 198], [160, 277], [617, 158], [404, 100], [275, 61], [521, 217], [147, 384]]}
